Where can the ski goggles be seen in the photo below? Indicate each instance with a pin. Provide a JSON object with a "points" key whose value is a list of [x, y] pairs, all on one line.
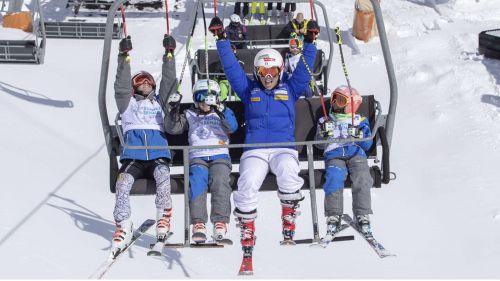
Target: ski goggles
{"points": [[294, 43], [339, 100], [206, 97], [264, 71], [141, 79]]}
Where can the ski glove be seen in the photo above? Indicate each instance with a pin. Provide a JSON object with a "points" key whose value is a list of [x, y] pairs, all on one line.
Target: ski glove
{"points": [[169, 44], [312, 31], [355, 132], [217, 28], [326, 128], [174, 100], [125, 45]]}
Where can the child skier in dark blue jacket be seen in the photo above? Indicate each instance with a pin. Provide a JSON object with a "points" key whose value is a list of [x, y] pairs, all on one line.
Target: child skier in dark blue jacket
{"points": [[344, 158]]}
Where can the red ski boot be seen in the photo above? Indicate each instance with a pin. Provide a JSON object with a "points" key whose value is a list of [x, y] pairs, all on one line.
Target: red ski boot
{"points": [[288, 214], [247, 228]]}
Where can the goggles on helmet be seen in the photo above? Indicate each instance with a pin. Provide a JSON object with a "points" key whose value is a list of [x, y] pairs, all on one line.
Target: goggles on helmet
{"points": [[143, 78], [339, 100], [294, 43], [264, 71], [204, 96]]}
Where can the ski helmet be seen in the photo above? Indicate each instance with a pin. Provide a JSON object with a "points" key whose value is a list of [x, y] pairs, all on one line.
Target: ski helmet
{"points": [[142, 77], [295, 42], [235, 19], [268, 58], [342, 97], [201, 93]]}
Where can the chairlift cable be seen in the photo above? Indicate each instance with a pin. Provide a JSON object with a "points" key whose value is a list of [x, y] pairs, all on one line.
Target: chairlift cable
{"points": [[123, 20], [166, 17], [188, 48], [344, 67]]}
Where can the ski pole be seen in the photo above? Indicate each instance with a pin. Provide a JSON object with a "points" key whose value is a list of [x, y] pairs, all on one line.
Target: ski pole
{"points": [[315, 87], [206, 44], [344, 67], [166, 16], [311, 6], [123, 20], [215, 8], [188, 48]]}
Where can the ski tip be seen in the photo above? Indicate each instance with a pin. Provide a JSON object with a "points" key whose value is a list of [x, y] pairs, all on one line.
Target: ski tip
{"points": [[245, 273], [154, 253], [288, 243]]}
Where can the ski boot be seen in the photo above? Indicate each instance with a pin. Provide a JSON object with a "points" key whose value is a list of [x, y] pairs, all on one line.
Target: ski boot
{"points": [[199, 232], [220, 230], [247, 229], [363, 224], [163, 223], [332, 224], [121, 237], [288, 214]]}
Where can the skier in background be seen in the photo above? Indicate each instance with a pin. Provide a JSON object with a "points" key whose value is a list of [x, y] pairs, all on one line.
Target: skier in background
{"points": [[270, 117], [292, 58], [342, 159], [236, 31], [141, 111]]}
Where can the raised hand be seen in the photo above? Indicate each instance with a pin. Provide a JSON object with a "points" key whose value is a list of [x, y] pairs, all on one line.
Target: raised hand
{"points": [[125, 45]]}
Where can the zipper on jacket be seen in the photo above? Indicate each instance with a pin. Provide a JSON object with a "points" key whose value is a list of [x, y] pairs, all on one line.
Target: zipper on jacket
{"points": [[146, 142], [268, 116]]}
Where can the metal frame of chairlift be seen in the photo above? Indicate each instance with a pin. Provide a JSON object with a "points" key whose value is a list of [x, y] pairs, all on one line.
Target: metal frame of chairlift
{"points": [[386, 121], [26, 51]]}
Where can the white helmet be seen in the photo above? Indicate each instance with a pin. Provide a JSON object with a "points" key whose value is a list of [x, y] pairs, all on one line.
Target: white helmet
{"points": [[235, 18], [268, 58], [201, 93]]}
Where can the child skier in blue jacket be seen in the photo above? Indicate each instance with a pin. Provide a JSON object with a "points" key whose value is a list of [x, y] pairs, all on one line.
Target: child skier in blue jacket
{"points": [[270, 117], [141, 111], [208, 122], [344, 158]]}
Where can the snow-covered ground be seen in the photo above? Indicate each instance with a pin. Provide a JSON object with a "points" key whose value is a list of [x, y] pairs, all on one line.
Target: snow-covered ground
{"points": [[441, 216]]}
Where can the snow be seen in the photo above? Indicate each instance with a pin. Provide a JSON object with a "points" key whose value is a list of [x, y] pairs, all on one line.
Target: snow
{"points": [[441, 216]]}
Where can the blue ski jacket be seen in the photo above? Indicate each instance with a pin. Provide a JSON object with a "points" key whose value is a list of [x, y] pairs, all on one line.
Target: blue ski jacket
{"points": [[269, 114]]}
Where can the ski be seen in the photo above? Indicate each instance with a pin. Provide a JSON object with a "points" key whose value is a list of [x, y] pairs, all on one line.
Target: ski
{"points": [[246, 267], [287, 242], [116, 253], [157, 248], [377, 247], [325, 241], [223, 241], [199, 237]]}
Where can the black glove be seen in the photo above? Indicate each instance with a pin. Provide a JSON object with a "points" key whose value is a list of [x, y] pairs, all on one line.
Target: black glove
{"points": [[217, 28], [312, 31], [174, 100], [125, 45], [169, 44]]}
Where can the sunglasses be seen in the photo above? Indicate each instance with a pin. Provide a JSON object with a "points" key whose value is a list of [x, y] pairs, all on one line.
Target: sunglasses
{"points": [[264, 71], [339, 100], [141, 79]]}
